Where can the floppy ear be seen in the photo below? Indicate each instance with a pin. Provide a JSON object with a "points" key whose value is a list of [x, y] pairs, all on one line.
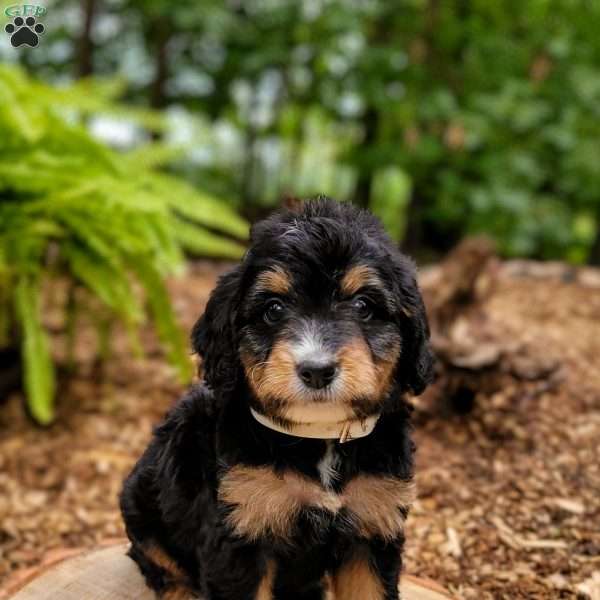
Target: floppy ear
{"points": [[415, 370], [214, 336]]}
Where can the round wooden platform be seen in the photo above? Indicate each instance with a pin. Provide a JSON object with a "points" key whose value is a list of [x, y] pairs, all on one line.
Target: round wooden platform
{"points": [[108, 574]]}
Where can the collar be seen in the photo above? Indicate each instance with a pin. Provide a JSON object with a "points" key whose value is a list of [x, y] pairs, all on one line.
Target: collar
{"points": [[343, 431]]}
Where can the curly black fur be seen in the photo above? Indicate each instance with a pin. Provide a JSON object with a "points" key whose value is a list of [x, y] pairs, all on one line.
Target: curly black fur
{"points": [[171, 500]]}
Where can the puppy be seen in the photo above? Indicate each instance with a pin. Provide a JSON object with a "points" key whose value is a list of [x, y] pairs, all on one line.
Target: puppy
{"points": [[289, 472]]}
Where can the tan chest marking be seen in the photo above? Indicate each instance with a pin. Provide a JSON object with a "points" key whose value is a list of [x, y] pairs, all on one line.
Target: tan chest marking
{"points": [[264, 502], [374, 504], [267, 503]]}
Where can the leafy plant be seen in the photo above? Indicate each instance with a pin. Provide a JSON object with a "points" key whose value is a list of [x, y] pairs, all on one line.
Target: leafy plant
{"points": [[112, 222], [491, 109]]}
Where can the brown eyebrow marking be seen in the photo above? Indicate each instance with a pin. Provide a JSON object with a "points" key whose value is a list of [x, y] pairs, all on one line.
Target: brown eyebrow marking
{"points": [[358, 277], [275, 280]]}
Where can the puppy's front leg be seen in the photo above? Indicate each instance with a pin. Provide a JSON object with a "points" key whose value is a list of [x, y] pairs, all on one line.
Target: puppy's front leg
{"points": [[370, 572], [239, 572]]}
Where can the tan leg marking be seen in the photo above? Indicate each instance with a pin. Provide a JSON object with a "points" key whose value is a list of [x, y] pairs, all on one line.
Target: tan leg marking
{"points": [[356, 581], [265, 588], [266, 503], [160, 558], [374, 504], [177, 593], [177, 590]]}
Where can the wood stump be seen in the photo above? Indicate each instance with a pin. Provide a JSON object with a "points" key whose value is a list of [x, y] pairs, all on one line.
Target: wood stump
{"points": [[108, 574]]}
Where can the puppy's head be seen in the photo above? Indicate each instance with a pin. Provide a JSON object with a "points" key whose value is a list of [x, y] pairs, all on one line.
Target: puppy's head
{"points": [[323, 318]]}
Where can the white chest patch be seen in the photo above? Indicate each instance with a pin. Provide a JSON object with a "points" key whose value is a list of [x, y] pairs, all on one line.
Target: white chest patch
{"points": [[328, 465]]}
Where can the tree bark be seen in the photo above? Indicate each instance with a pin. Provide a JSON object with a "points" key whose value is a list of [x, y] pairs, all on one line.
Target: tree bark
{"points": [[85, 59], [160, 35], [414, 211], [594, 258]]}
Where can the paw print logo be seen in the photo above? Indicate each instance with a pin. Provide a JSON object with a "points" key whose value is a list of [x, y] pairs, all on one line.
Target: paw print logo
{"points": [[24, 31]]}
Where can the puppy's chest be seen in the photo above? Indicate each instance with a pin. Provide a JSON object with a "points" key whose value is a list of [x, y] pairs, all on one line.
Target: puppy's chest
{"points": [[263, 503]]}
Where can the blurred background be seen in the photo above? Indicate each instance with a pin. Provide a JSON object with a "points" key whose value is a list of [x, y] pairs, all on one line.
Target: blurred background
{"points": [[140, 139]]}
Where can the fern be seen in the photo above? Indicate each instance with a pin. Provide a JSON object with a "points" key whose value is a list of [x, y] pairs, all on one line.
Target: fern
{"points": [[113, 218], [39, 373]]}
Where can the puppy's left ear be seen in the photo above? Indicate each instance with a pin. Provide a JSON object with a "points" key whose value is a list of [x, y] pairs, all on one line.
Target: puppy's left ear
{"points": [[415, 369], [214, 336]]}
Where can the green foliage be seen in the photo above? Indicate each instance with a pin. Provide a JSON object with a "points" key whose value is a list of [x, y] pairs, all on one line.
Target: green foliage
{"points": [[390, 198], [506, 139], [39, 372], [69, 204], [490, 108], [444, 117]]}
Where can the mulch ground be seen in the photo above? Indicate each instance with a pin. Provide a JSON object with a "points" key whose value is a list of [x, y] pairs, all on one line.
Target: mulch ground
{"points": [[509, 493]]}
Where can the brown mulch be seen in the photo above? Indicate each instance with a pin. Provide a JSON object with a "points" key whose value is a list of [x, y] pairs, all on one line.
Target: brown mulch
{"points": [[509, 494]]}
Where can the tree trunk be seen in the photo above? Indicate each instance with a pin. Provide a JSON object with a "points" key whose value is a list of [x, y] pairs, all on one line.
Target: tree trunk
{"points": [[85, 58], [594, 258], [160, 35], [414, 211], [247, 174]]}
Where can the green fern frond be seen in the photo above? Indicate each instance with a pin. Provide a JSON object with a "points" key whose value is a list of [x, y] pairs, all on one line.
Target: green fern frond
{"points": [[166, 325], [114, 222], [37, 362], [200, 242]]}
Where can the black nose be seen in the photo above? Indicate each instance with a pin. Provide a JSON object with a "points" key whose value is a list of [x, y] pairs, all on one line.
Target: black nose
{"points": [[317, 375]]}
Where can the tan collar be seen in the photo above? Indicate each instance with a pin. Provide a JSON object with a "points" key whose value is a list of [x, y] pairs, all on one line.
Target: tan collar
{"points": [[344, 431]]}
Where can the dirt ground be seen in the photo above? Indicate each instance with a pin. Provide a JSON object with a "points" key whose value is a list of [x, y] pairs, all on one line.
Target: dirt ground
{"points": [[509, 493]]}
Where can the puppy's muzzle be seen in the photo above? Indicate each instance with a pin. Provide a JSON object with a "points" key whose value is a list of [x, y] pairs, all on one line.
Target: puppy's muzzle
{"points": [[317, 375]]}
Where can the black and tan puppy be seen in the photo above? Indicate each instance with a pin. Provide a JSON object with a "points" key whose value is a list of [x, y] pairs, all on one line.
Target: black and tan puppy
{"points": [[293, 465]]}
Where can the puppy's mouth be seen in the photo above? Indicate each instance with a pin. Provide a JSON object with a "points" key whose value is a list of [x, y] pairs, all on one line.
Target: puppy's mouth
{"points": [[344, 385]]}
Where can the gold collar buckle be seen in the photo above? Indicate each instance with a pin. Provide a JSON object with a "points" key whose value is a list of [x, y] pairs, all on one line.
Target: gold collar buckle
{"points": [[345, 433]]}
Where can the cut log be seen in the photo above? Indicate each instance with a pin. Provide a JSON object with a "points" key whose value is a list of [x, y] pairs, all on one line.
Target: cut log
{"points": [[108, 574]]}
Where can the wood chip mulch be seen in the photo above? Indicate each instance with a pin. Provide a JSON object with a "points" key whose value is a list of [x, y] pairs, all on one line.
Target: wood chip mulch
{"points": [[509, 492]]}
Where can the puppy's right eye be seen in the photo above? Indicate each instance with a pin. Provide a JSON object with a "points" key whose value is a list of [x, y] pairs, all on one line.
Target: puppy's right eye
{"points": [[273, 312], [363, 308]]}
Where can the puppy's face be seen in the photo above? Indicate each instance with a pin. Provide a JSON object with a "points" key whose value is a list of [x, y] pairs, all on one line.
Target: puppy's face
{"points": [[322, 344], [322, 319]]}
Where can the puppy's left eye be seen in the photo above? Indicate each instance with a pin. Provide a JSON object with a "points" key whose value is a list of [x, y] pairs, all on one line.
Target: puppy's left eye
{"points": [[273, 312], [363, 308]]}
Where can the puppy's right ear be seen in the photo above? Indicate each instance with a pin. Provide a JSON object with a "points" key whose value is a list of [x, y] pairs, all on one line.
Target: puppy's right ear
{"points": [[214, 336]]}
